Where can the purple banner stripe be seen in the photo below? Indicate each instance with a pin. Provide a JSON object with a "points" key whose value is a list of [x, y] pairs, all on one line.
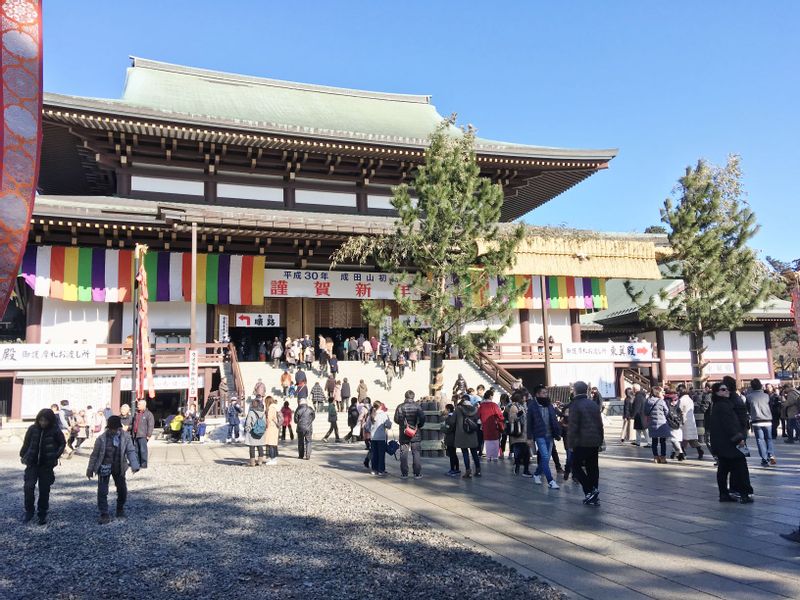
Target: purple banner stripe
{"points": [[223, 279], [162, 277], [588, 299], [99, 275], [28, 270]]}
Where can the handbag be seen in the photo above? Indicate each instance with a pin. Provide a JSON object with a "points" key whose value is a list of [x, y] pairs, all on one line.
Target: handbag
{"points": [[392, 447], [744, 449], [409, 431]]}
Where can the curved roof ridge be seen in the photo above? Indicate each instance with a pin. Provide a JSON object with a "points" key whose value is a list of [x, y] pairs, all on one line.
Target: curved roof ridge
{"points": [[221, 76]]}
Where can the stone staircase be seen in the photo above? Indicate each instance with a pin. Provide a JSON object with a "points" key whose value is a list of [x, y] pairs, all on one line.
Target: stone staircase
{"points": [[373, 376]]}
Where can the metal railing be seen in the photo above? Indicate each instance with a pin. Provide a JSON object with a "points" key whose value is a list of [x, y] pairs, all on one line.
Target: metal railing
{"points": [[533, 351]]}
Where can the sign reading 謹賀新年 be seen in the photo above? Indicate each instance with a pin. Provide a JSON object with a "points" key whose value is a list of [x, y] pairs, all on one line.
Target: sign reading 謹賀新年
{"points": [[257, 320], [46, 356], [304, 283]]}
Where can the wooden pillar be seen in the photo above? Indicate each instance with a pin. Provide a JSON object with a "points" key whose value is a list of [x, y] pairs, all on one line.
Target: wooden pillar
{"points": [[309, 320], [115, 322], [210, 317], [575, 324], [288, 196], [116, 395], [123, 182], [361, 200], [16, 399], [294, 317], [662, 356], [768, 346], [735, 351], [524, 330], [210, 191], [33, 319]]}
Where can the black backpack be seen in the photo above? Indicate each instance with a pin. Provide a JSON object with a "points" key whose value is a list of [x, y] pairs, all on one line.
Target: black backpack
{"points": [[514, 427], [352, 416], [674, 417], [470, 425]]}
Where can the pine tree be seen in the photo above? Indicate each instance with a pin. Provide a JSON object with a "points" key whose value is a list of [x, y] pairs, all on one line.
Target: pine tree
{"points": [[709, 225], [433, 250]]}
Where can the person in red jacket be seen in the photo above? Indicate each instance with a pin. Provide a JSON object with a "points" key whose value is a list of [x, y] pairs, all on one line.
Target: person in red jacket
{"points": [[286, 414], [492, 424]]}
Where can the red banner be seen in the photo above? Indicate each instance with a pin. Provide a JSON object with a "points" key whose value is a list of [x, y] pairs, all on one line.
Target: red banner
{"points": [[21, 133]]}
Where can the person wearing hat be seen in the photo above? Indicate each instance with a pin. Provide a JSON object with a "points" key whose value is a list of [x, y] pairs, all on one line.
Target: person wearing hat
{"points": [[113, 452], [43, 445], [585, 436]]}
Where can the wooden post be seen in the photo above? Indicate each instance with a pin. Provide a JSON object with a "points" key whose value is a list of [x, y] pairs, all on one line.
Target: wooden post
{"points": [[33, 319], [135, 347], [735, 353], [575, 325], [545, 334], [193, 308], [768, 346], [662, 356], [524, 331]]}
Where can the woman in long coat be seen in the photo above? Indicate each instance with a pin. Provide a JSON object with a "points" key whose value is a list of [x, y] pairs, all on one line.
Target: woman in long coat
{"points": [[274, 422], [655, 410], [467, 441], [255, 413]]}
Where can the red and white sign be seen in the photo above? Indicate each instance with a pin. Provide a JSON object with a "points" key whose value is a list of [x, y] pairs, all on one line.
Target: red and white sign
{"points": [[193, 364], [607, 352], [257, 320]]}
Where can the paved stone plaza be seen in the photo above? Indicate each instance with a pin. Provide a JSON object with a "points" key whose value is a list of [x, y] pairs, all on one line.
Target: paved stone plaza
{"points": [[659, 533]]}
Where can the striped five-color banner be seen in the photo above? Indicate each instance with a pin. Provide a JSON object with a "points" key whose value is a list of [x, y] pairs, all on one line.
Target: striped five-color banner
{"points": [[564, 292], [103, 275]]}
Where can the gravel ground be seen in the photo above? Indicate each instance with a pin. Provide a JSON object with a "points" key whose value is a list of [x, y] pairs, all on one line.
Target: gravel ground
{"points": [[225, 531]]}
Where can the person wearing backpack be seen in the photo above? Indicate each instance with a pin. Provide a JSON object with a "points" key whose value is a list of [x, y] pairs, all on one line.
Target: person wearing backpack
{"points": [[466, 435], [352, 419], [655, 409], [675, 420], [410, 418], [255, 426], [448, 427], [274, 421], [379, 423], [333, 418], [304, 419], [516, 428]]}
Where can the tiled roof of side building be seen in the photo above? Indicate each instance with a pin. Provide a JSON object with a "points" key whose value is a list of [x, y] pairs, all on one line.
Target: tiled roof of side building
{"points": [[198, 96], [622, 309]]}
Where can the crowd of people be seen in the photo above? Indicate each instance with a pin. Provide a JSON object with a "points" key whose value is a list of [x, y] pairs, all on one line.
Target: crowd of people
{"points": [[718, 419]]}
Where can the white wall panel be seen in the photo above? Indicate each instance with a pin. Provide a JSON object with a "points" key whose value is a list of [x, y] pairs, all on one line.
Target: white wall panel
{"points": [[676, 346], [325, 198], [718, 348], [380, 202], [166, 185], [64, 322], [751, 344], [250, 192], [167, 315], [558, 325]]}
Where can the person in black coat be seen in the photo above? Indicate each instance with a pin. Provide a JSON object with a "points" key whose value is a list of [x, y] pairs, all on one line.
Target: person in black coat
{"points": [[410, 414], [727, 442], [43, 445]]}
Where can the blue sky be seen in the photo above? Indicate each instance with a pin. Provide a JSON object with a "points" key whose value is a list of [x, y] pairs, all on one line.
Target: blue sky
{"points": [[665, 82]]}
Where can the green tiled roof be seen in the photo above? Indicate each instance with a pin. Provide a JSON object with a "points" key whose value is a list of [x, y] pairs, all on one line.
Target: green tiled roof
{"points": [[168, 91], [621, 309]]}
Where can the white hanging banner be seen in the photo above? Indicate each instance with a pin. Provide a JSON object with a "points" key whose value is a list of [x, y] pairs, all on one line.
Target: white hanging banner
{"points": [[193, 364], [607, 351], [224, 332]]}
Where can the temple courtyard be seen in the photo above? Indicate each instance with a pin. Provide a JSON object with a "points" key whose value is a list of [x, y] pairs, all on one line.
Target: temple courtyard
{"points": [[202, 525]]}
